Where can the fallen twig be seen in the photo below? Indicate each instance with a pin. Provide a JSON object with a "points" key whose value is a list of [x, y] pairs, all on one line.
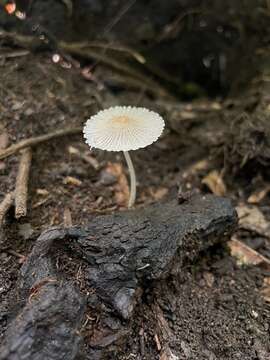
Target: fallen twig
{"points": [[67, 218], [33, 141], [21, 191], [5, 206]]}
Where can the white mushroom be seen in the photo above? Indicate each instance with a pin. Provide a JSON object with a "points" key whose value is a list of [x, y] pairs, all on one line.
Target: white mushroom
{"points": [[124, 128]]}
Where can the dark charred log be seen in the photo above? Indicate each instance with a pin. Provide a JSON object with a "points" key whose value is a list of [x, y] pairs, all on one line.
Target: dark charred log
{"points": [[52, 312], [126, 249], [123, 254]]}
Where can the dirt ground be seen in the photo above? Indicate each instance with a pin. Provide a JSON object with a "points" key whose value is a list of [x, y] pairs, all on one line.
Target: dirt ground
{"points": [[219, 307]]}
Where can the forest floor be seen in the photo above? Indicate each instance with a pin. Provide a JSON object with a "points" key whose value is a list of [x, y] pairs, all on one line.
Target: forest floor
{"points": [[219, 308]]}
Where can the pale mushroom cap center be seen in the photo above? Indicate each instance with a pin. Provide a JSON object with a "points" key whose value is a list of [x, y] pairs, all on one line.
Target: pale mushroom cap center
{"points": [[120, 120]]}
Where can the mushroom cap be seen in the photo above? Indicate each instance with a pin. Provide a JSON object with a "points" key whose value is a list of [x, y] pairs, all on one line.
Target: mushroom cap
{"points": [[123, 128]]}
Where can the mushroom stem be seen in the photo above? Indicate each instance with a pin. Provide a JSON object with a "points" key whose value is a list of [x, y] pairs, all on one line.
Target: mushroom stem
{"points": [[132, 175]]}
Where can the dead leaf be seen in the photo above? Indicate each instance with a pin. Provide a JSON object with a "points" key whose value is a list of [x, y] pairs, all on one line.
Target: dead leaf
{"points": [[246, 255], [251, 218], [121, 187], [70, 180], [196, 167], [159, 193], [199, 166], [215, 183], [42, 192], [258, 196], [265, 292]]}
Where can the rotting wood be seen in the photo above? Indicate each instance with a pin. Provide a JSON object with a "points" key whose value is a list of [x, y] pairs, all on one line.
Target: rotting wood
{"points": [[33, 141], [21, 191]]}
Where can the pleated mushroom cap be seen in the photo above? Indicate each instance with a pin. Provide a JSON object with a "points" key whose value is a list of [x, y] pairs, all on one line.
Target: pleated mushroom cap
{"points": [[123, 128]]}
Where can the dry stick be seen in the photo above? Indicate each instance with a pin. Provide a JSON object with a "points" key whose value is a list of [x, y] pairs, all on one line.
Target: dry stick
{"points": [[21, 191], [5, 206], [67, 218], [33, 141]]}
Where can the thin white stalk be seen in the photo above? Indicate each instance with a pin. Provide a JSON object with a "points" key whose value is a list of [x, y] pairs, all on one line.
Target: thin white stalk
{"points": [[132, 195]]}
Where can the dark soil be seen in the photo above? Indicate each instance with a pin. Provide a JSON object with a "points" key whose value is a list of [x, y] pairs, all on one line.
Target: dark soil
{"points": [[209, 312], [213, 309]]}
